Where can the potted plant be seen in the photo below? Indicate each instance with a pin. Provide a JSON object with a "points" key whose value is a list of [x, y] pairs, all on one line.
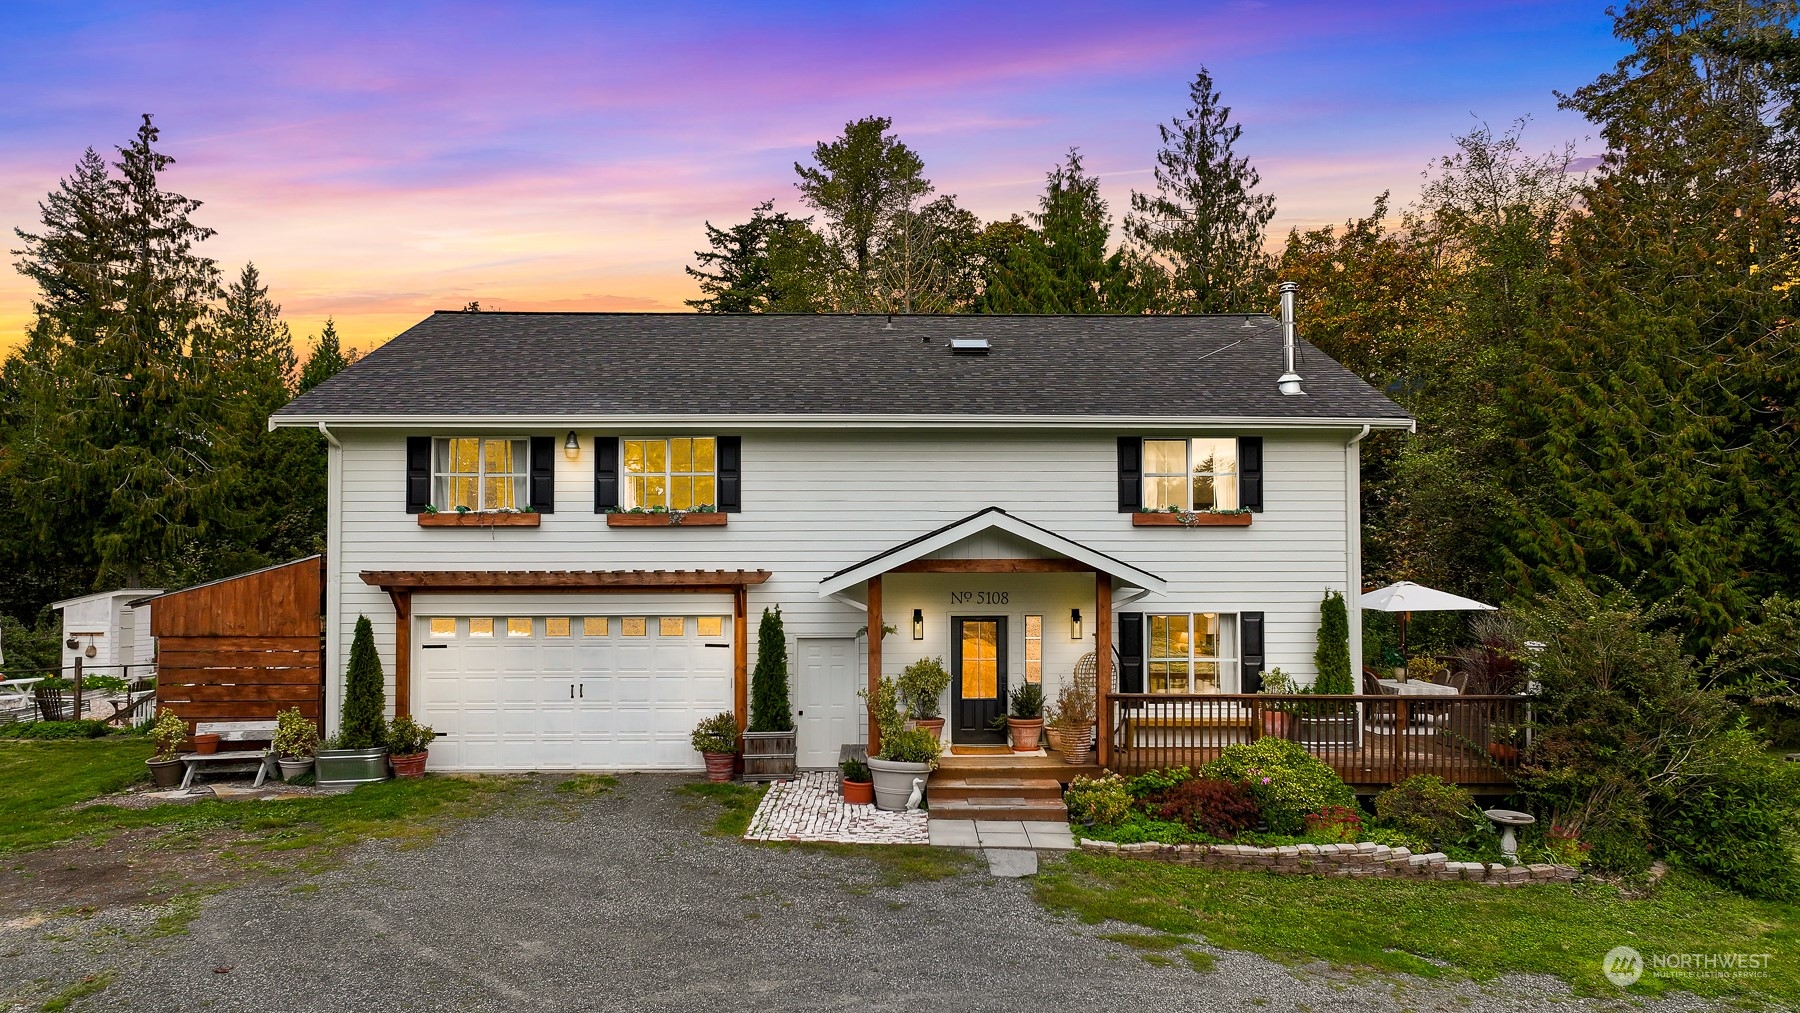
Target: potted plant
{"points": [[205, 743], [1025, 723], [907, 754], [1503, 741], [296, 739], [165, 764], [1072, 728], [408, 744], [716, 739], [357, 754], [921, 686], [858, 788], [1276, 721], [770, 750]]}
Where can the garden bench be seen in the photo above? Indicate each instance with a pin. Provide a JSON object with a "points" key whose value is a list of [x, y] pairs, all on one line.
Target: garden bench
{"points": [[232, 731]]}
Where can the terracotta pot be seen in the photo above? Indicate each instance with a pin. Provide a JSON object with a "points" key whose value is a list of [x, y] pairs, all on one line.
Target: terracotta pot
{"points": [[1053, 734], [1275, 724], [165, 773], [720, 766], [1025, 733], [410, 765], [933, 725], [1505, 752], [859, 792], [207, 743]]}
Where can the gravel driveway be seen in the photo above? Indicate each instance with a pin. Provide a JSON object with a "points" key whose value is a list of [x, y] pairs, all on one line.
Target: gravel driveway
{"points": [[624, 902]]}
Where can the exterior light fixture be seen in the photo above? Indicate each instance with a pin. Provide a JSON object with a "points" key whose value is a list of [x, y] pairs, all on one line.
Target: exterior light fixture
{"points": [[1074, 624], [918, 624], [571, 446]]}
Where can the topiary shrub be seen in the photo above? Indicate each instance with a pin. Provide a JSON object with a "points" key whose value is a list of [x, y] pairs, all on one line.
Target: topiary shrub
{"points": [[363, 725], [1429, 809], [911, 745], [1098, 801], [1286, 781], [769, 707], [1736, 818], [1333, 654], [1219, 809]]}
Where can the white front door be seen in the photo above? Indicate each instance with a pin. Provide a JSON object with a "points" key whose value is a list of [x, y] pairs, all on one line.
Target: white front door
{"points": [[569, 692], [825, 695]]}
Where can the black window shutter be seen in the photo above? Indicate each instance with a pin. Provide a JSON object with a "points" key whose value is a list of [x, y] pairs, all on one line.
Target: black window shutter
{"points": [[1131, 652], [1250, 473], [606, 473], [1250, 626], [543, 474], [731, 474], [1131, 474], [418, 473]]}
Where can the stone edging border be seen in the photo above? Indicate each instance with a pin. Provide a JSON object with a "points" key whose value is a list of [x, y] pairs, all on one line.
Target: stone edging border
{"points": [[1355, 860]]}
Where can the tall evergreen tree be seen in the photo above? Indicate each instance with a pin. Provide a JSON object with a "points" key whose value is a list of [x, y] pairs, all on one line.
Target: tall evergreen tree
{"points": [[1062, 266], [770, 709], [1656, 405], [1205, 221], [326, 360], [860, 184], [735, 275]]}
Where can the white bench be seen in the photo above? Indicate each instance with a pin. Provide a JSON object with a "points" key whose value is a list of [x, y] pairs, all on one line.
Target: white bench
{"points": [[232, 731]]}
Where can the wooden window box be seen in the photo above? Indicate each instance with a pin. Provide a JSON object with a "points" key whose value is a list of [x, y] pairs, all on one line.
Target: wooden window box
{"points": [[473, 519], [672, 519], [1190, 520]]}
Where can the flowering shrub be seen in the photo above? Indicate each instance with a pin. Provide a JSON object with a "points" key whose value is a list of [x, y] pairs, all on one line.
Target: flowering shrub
{"points": [[1342, 824], [1216, 808], [1098, 801], [1286, 781]]}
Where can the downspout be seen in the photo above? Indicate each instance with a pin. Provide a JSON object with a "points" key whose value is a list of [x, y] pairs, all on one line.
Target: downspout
{"points": [[1353, 554], [334, 549]]}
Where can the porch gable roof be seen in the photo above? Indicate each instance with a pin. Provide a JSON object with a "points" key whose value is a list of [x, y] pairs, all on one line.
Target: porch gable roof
{"points": [[994, 518]]}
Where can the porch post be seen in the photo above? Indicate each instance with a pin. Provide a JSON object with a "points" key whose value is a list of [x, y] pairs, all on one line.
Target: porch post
{"points": [[1103, 618], [874, 659], [740, 654], [402, 651]]}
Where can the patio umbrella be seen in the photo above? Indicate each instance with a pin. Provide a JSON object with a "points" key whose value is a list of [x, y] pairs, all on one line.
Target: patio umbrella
{"points": [[1407, 597]]}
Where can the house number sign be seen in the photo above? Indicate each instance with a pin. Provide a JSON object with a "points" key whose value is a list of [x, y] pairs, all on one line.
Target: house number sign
{"points": [[979, 597]]}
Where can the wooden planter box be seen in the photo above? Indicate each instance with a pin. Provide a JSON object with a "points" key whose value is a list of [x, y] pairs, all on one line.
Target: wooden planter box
{"points": [[1191, 520], [479, 520], [672, 519], [769, 756]]}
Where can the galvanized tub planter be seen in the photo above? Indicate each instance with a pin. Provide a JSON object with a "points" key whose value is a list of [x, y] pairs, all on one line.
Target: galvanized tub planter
{"points": [[894, 781], [346, 768], [770, 756]]}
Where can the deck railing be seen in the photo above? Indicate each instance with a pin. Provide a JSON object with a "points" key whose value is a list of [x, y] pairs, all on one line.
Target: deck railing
{"points": [[1368, 740]]}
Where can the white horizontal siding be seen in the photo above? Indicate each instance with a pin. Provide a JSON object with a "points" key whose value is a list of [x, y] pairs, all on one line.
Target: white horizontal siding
{"points": [[815, 503]]}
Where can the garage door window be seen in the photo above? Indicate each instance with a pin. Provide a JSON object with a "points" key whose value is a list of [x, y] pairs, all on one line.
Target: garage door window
{"points": [[672, 626], [712, 626], [481, 627], [634, 627], [556, 627], [518, 627], [594, 626], [443, 627]]}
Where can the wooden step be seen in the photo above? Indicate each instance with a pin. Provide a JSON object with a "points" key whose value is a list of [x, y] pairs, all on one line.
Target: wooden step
{"points": [[947, 788], [1036, 767], [994, 807]]}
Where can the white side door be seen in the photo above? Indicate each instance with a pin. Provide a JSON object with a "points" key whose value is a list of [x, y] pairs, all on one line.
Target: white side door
{"points": [[825, 698]]}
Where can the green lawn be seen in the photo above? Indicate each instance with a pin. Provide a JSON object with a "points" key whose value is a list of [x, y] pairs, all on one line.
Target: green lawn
{"points": [[1478, 931], [41, 781]]}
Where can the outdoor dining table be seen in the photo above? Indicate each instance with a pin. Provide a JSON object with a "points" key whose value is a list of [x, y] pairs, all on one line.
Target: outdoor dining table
{"points": [[1417, 687]]}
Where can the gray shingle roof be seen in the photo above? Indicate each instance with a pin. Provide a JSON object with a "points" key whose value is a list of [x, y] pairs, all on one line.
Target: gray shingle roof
{"points": [[605, 364]]}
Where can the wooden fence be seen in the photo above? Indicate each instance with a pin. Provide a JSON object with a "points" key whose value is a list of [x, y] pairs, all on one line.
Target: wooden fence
{"points": [[1371, 741], [243, 648]]}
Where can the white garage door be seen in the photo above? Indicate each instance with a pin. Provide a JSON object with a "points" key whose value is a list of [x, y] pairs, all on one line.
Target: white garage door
{"points": [[562, 692]]}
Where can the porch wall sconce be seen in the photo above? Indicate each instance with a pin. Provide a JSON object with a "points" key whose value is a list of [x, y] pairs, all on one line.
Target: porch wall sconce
{"points": [[1074, 624], [918, 624], [571, 446]]}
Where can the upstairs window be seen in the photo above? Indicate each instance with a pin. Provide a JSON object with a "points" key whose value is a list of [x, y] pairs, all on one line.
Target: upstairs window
{"points": [[480, 474], [680, 473], [1200, 474]]}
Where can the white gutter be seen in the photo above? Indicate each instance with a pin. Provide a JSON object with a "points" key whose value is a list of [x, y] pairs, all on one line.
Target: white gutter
{"points": [[837, 421], [1353, 547]]}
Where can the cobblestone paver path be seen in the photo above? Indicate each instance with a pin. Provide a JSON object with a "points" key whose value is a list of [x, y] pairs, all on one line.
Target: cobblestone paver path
{"points": [[811, 808]]}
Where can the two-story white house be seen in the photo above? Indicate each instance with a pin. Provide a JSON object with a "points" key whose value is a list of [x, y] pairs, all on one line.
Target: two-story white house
{"points": [[564, 526]]}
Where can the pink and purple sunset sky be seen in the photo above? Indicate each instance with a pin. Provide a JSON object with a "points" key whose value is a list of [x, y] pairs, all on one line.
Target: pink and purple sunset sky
{"points": [[381, 160]]}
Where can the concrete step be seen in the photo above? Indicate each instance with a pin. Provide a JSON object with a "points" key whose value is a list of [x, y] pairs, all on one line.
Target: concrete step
{"points": [[955, 787], [995, 807]]}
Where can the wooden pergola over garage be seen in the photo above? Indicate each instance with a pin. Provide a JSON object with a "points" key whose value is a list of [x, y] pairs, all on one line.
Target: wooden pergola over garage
{"points": [[401, 585]]}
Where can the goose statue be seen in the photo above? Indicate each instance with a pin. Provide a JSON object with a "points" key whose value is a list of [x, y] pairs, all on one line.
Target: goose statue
{"points": [[918, 794]]}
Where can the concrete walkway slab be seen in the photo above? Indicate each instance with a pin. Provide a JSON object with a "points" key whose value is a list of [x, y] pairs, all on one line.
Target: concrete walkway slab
{"points": [[1009, 863]]}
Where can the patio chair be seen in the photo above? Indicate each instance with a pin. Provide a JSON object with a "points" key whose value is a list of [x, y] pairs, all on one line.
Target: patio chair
{"points": [[51, 704]]}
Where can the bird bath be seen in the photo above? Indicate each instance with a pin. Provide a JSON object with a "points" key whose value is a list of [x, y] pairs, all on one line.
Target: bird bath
{"points": [[1508, 820]]}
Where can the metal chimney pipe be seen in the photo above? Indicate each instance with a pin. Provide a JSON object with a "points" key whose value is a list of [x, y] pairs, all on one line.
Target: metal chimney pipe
{"points": [[1290, 380]]}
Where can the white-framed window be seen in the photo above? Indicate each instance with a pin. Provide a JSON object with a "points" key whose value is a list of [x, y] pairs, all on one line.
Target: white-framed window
{"points": [[675, 473], [1191, 652], [476, 473], [1034, 648], [1199, 474]]}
